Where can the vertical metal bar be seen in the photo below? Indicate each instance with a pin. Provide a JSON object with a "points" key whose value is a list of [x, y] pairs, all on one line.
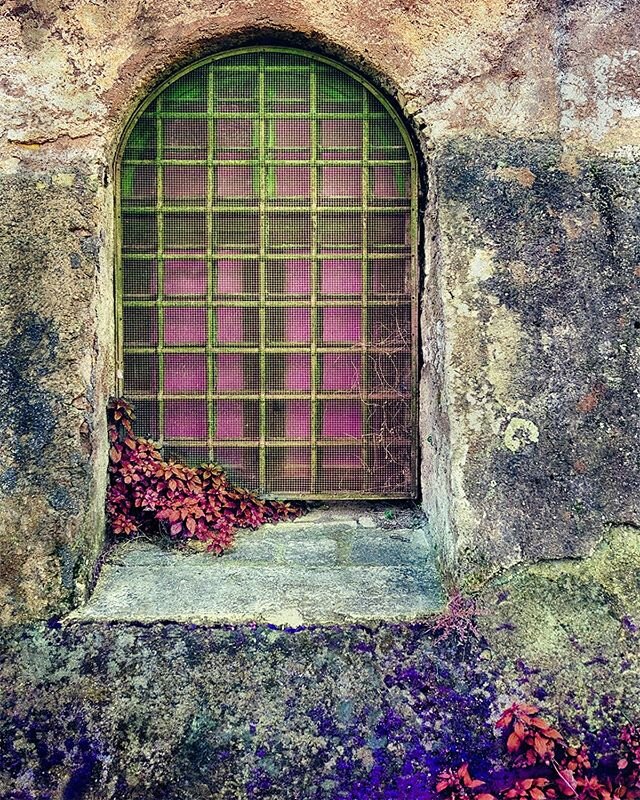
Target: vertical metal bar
{"points": [[364, 374], [211, 312], [262, 278], [160, 267], [315, 268], [414, 283]]}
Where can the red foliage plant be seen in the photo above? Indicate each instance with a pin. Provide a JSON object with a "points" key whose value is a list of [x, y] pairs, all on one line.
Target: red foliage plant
{"points": [[147, 494], [545, 767]]}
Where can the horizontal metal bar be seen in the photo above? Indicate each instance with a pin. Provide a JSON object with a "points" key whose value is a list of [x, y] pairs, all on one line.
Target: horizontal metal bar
{"points": [[254, 209], [287, 162], [377, 255], [334, 302], [249, 349], [322, 115], [277, 443], [255, 396]]}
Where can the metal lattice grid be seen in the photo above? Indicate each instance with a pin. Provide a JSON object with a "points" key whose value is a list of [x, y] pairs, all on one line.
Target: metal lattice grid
{"points": [[267, 287]]}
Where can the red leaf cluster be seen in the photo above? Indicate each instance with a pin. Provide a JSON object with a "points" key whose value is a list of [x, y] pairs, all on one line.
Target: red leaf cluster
{"points": [[552, 769], [459, 785], [147, 493], [530, 739]]}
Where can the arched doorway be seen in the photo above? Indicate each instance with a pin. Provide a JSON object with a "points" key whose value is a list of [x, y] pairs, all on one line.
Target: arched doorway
{"points": [[267, 275]]}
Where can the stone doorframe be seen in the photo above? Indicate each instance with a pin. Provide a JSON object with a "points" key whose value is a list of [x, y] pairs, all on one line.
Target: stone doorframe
{"points": [[528, 388]]}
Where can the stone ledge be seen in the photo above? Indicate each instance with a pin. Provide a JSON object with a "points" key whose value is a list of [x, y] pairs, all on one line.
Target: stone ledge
{"points": [[315, 574]]}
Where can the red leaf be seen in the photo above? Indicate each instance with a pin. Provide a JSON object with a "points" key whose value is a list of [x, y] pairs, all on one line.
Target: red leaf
{"points": [[115, 454], [191, 524], [513, 743], [176, 528]]}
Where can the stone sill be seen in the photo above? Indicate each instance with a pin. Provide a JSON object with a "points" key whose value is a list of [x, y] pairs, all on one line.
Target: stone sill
{"points": [[342, 563]]}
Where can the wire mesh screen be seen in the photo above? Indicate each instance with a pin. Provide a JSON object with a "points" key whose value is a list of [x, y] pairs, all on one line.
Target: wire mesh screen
{"points": [[268, 299]]}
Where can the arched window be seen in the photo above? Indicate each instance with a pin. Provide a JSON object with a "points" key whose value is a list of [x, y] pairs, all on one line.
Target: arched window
{"points": [[267, 281]]}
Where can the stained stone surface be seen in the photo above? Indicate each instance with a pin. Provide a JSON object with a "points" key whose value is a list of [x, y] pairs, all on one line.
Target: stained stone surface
{"points": [[319, 569], [181, 711], [528, 131]]}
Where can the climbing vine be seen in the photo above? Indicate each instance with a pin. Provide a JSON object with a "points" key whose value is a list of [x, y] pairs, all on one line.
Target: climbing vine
{"points": [[149, 495]]}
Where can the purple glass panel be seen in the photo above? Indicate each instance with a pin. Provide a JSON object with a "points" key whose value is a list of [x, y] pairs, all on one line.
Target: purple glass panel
{"points": [[185, 419], [185, 326], [341, 276], [184, 373], [297, 375], [293, 132], [341, 324], [390, 182], [297, 277], [140, 326], [341, 133], [229, 419], [234, 181], [341, 371], [297, 422], [293, 181], [230, 276], [230, 325], [297, 324], [185, 276], [185, 183], [341, 457], [341, 182], [233, 133], [230, 372], [341, 419]]}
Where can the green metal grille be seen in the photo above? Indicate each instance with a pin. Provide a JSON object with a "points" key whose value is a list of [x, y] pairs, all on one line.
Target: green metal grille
{"points": [[267, 290]]}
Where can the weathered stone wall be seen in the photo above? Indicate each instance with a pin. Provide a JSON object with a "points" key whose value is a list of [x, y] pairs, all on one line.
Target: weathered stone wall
{"points": [[172, 711], [527, 116]]}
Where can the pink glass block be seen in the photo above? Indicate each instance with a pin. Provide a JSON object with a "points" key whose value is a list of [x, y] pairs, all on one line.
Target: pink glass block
{"points": [[341, 420], [341, 324], [293, 181], [230, 276], [185, 419], [297, 372], [297, 325], [292, 133], [297, 420], [297, 277], [340, 372], [341, 182], [185, 183], [230, 325], [229, 419], [235, 181], [184, 276], [341, 277], [185, 326], [230, 372], [184, 373]]}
